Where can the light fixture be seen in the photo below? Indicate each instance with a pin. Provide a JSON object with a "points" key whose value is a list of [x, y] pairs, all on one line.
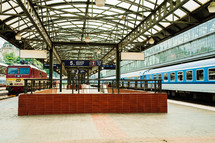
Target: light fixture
{"points": [[123, 17], [100, 3], [211, 7], [87, 39], [151, 41], [98, 52], [18, 37]]}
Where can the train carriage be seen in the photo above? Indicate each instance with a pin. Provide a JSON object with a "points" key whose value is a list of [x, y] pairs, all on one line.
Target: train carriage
{"points": [[16, 74]]}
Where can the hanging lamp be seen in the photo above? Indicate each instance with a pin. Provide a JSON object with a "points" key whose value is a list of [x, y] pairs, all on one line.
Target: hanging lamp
{"points": [[87, 39], [151, 41], [18, 37], [100, 3], [211, 7]]}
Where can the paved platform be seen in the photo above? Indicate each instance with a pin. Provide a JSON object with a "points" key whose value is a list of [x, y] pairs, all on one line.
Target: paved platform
{"points": [[181, 124]]}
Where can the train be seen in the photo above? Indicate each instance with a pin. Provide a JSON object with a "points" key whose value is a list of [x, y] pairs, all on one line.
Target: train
{"points": [[196, 79], [15, 75]]}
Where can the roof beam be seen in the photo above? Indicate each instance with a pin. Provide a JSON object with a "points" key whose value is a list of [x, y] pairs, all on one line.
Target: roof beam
{"points": [[160, 13], [31, 13], [84, 44]]}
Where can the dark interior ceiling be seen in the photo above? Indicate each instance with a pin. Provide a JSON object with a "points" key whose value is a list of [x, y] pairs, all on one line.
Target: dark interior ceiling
{"points": [[64, 24]]}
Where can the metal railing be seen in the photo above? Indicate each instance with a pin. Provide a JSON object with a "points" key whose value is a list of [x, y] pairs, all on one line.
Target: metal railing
{"points": [[76, 85]]}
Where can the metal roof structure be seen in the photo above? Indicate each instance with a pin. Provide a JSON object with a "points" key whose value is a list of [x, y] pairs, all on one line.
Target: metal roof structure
{"points": [[63, 25]]}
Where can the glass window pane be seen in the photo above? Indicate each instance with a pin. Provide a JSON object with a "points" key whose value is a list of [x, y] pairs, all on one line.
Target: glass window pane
{"points": [[172, 76], [24, 70], [200, 74], [160, 76], [212, 74], [180, 76], [189, 75], [12, 70], [165, 76], [154, 76]]}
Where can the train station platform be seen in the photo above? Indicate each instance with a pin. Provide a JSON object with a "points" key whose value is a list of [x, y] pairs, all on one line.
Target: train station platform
{"points": [[182, 124]]}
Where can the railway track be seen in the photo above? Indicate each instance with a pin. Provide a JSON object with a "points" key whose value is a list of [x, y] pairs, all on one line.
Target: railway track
{"points": [[4, 93]]}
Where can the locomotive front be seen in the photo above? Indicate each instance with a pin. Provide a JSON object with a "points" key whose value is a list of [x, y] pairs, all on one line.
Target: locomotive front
{"points": [[15, 76]]}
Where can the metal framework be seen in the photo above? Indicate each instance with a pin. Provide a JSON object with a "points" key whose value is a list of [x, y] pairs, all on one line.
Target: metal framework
{"points": [[128, 24]]}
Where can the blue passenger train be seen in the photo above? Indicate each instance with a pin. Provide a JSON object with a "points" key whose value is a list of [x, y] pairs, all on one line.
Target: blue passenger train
{"points": [[194, 79]]}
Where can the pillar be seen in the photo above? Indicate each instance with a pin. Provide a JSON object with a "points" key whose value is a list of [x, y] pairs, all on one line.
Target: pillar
{"points": [[61, 73], [51, 66], [117, 68], [99, 69]]}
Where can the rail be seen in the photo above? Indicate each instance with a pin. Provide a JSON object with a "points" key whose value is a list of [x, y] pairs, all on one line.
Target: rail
{"points": [[102, 86]]}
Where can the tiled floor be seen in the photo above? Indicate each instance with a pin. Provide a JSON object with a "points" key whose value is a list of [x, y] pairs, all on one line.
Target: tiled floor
{"points": [[181, 124]]}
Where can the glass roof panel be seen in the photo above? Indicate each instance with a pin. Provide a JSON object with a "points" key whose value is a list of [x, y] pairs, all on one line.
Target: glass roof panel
{"points": [[203, 1], [191, 5], [180, 13]]}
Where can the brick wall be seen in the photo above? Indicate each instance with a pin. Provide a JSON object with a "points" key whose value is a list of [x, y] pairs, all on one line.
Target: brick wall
{"points": [[40, 104], [52, 91]]}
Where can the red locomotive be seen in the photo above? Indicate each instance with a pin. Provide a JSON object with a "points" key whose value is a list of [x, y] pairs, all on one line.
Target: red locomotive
{"points": [[16, 74]]}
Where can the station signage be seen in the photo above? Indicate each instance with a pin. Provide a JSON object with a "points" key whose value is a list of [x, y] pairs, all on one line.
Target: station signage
{"points": [[55, 66], [76, 62], [109, 67], [82, 63], [79, 71]]}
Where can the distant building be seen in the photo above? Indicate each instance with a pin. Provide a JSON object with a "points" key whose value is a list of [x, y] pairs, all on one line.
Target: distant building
{"points": [[8, 48]]}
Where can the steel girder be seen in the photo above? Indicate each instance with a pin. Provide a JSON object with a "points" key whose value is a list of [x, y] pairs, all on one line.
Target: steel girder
{"points": [[31, 13], [160, 13]]}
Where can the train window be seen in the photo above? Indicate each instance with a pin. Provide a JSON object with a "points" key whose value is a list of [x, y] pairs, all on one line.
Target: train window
{"points": [[24, 70], [189, 75], [180, 76], [160, 76], [172, 76], [154, 76], [12, 70], [150, 76], [199, 74], [165, 76], [212, 74]]}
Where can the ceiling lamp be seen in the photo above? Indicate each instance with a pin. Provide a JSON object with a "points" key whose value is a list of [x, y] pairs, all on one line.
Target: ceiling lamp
{"points": [[151, 41], [100, 3], [87, 39], [123, 17], [98, 52], [211, 7], [18, 37]]}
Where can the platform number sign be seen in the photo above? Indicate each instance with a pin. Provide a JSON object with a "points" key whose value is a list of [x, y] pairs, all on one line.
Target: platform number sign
{"points": [[93, 63]]}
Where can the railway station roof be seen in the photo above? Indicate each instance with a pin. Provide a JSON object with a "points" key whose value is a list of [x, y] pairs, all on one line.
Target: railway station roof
{"points": [[80, 30]]}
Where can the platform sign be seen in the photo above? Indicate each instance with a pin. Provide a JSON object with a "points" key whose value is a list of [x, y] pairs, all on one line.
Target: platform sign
{"points": [[96, 63], [55, 66], [82, 63], [132, 56], [37, 54], [76, 62], [79, 71], [112, 67]]}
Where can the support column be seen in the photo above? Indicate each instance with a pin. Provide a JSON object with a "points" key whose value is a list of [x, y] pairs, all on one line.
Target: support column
{"points": [[88, 76], [61, 69], [51, 66], [117, 68], [99, 69], [68, 78]]}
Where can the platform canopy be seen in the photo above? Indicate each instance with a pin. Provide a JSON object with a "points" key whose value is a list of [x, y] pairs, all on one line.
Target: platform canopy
{"points": [[80, 30]]}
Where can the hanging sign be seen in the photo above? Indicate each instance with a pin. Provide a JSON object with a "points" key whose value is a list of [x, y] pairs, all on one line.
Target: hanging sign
{"points": [[96, 63], [82, 63], [76, 63], [55, 66], [79, 71], [109, 66]]}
